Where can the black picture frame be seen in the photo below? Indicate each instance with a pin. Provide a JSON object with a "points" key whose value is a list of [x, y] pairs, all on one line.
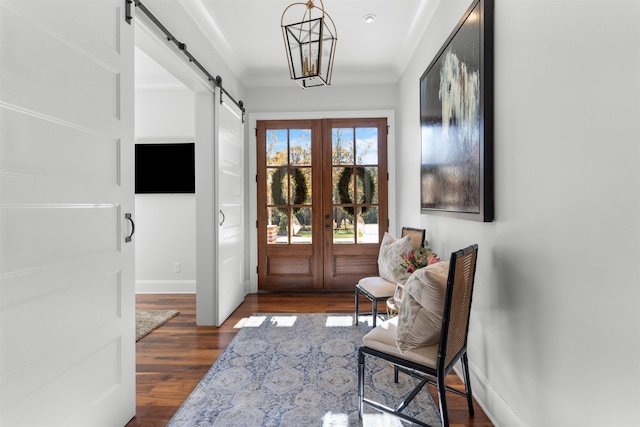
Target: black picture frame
{"points": [[456, 121]]}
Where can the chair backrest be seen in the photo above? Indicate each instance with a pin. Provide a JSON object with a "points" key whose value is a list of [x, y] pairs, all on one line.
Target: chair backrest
{"points": [[457, 306], [416, 235]]}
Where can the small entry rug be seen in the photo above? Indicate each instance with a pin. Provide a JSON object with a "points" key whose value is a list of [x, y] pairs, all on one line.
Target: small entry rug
{"points": [[148, 320], [297, 370]]}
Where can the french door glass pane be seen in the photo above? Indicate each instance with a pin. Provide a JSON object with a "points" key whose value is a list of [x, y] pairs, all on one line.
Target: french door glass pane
{"points": [[277, 186], [276, 147], [300, 186], [342, 150], [343, 189], [300, 147], [367, 146], [301, 226], [288, 187], [278, 225], [367, 225], [343, 225], [367, 184]]}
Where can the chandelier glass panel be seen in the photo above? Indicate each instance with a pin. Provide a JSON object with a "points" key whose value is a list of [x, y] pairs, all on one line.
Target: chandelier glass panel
{"points": [[310, 44]]}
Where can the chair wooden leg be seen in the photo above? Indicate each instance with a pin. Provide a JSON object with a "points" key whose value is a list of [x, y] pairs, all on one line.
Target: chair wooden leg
{"points": [[467, 382]]}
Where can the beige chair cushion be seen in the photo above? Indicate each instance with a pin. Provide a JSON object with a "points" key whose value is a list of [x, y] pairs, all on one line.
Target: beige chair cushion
{"points": [[390, 257], [377, 286], [420, 315], [383, 338]]}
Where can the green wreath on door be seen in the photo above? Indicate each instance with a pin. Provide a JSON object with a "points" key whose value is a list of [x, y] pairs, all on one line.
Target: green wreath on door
{"points": [[300, 190], [366, 196]]}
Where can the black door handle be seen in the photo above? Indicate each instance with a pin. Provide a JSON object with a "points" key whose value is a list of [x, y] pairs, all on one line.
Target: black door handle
{"points": [[133, 227]]}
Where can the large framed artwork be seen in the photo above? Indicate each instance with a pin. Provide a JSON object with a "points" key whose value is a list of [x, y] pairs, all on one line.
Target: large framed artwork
{"points": [[456, 121]]}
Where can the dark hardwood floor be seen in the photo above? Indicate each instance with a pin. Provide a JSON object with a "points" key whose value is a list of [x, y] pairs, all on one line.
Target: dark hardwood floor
{"points": [[172, 359]]}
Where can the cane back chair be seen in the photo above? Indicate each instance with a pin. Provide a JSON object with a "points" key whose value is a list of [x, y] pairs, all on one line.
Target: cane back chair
{"points": [[378, 289], [429, 364]]}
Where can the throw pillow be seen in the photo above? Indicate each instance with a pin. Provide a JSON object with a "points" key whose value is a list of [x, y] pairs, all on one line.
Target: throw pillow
{"points": [[420, 315], [390, 257]]}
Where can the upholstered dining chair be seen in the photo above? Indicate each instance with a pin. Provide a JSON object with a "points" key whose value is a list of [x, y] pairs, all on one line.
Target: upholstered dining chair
{"points": [[378, 289], [428, 364]]}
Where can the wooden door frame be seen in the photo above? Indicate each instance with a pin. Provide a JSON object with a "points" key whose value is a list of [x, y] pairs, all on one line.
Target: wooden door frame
{"points": [[252, 192]]}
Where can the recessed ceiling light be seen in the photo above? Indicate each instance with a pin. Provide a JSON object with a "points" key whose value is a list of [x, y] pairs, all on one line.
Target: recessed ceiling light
{"points": [[369, 18]]}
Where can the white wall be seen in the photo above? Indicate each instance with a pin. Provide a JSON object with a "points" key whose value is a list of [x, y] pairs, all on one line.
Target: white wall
{"points": [[166, 114], [328, 98], [555, 333], [165, 235], [165, 223]]}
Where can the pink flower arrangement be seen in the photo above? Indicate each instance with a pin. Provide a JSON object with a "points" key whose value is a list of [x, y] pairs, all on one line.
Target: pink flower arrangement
{"points": [[418, 258]]}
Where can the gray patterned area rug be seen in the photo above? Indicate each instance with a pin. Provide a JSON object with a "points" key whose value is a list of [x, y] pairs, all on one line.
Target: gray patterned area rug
{"points": [[148, 320], [297, 370]]}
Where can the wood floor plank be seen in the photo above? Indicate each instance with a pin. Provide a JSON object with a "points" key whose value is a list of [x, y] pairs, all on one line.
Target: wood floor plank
{"points": [[172, 359]]}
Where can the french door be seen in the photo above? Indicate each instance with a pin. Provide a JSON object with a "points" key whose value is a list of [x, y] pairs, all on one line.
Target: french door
{"points": [[322, 202]]}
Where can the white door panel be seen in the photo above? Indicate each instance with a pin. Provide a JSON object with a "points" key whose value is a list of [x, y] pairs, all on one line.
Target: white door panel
{"points": [[29, 152], [64, 232], [56, 68], [67, 303], [230, 190], [232, 183], [233, 220], [95, 300]]}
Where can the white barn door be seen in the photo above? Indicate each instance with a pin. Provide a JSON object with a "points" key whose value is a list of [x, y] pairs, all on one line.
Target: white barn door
{"points": [[219, 208], [230, 195], [67, 303]]}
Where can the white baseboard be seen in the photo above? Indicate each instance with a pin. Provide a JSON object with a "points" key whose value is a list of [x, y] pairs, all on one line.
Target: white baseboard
{"points": [[165, 286], [491, 402]]}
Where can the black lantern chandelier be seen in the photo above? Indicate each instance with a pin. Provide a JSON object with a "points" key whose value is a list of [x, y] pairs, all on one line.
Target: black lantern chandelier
{"points": [[310, 44]]}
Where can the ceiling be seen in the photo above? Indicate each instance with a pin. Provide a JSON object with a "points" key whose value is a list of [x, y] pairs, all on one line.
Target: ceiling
{"points": [[248, 36]]}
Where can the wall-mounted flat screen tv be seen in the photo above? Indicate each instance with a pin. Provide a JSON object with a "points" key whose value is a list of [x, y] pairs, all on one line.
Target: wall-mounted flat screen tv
{"points": [[165, 168]]}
